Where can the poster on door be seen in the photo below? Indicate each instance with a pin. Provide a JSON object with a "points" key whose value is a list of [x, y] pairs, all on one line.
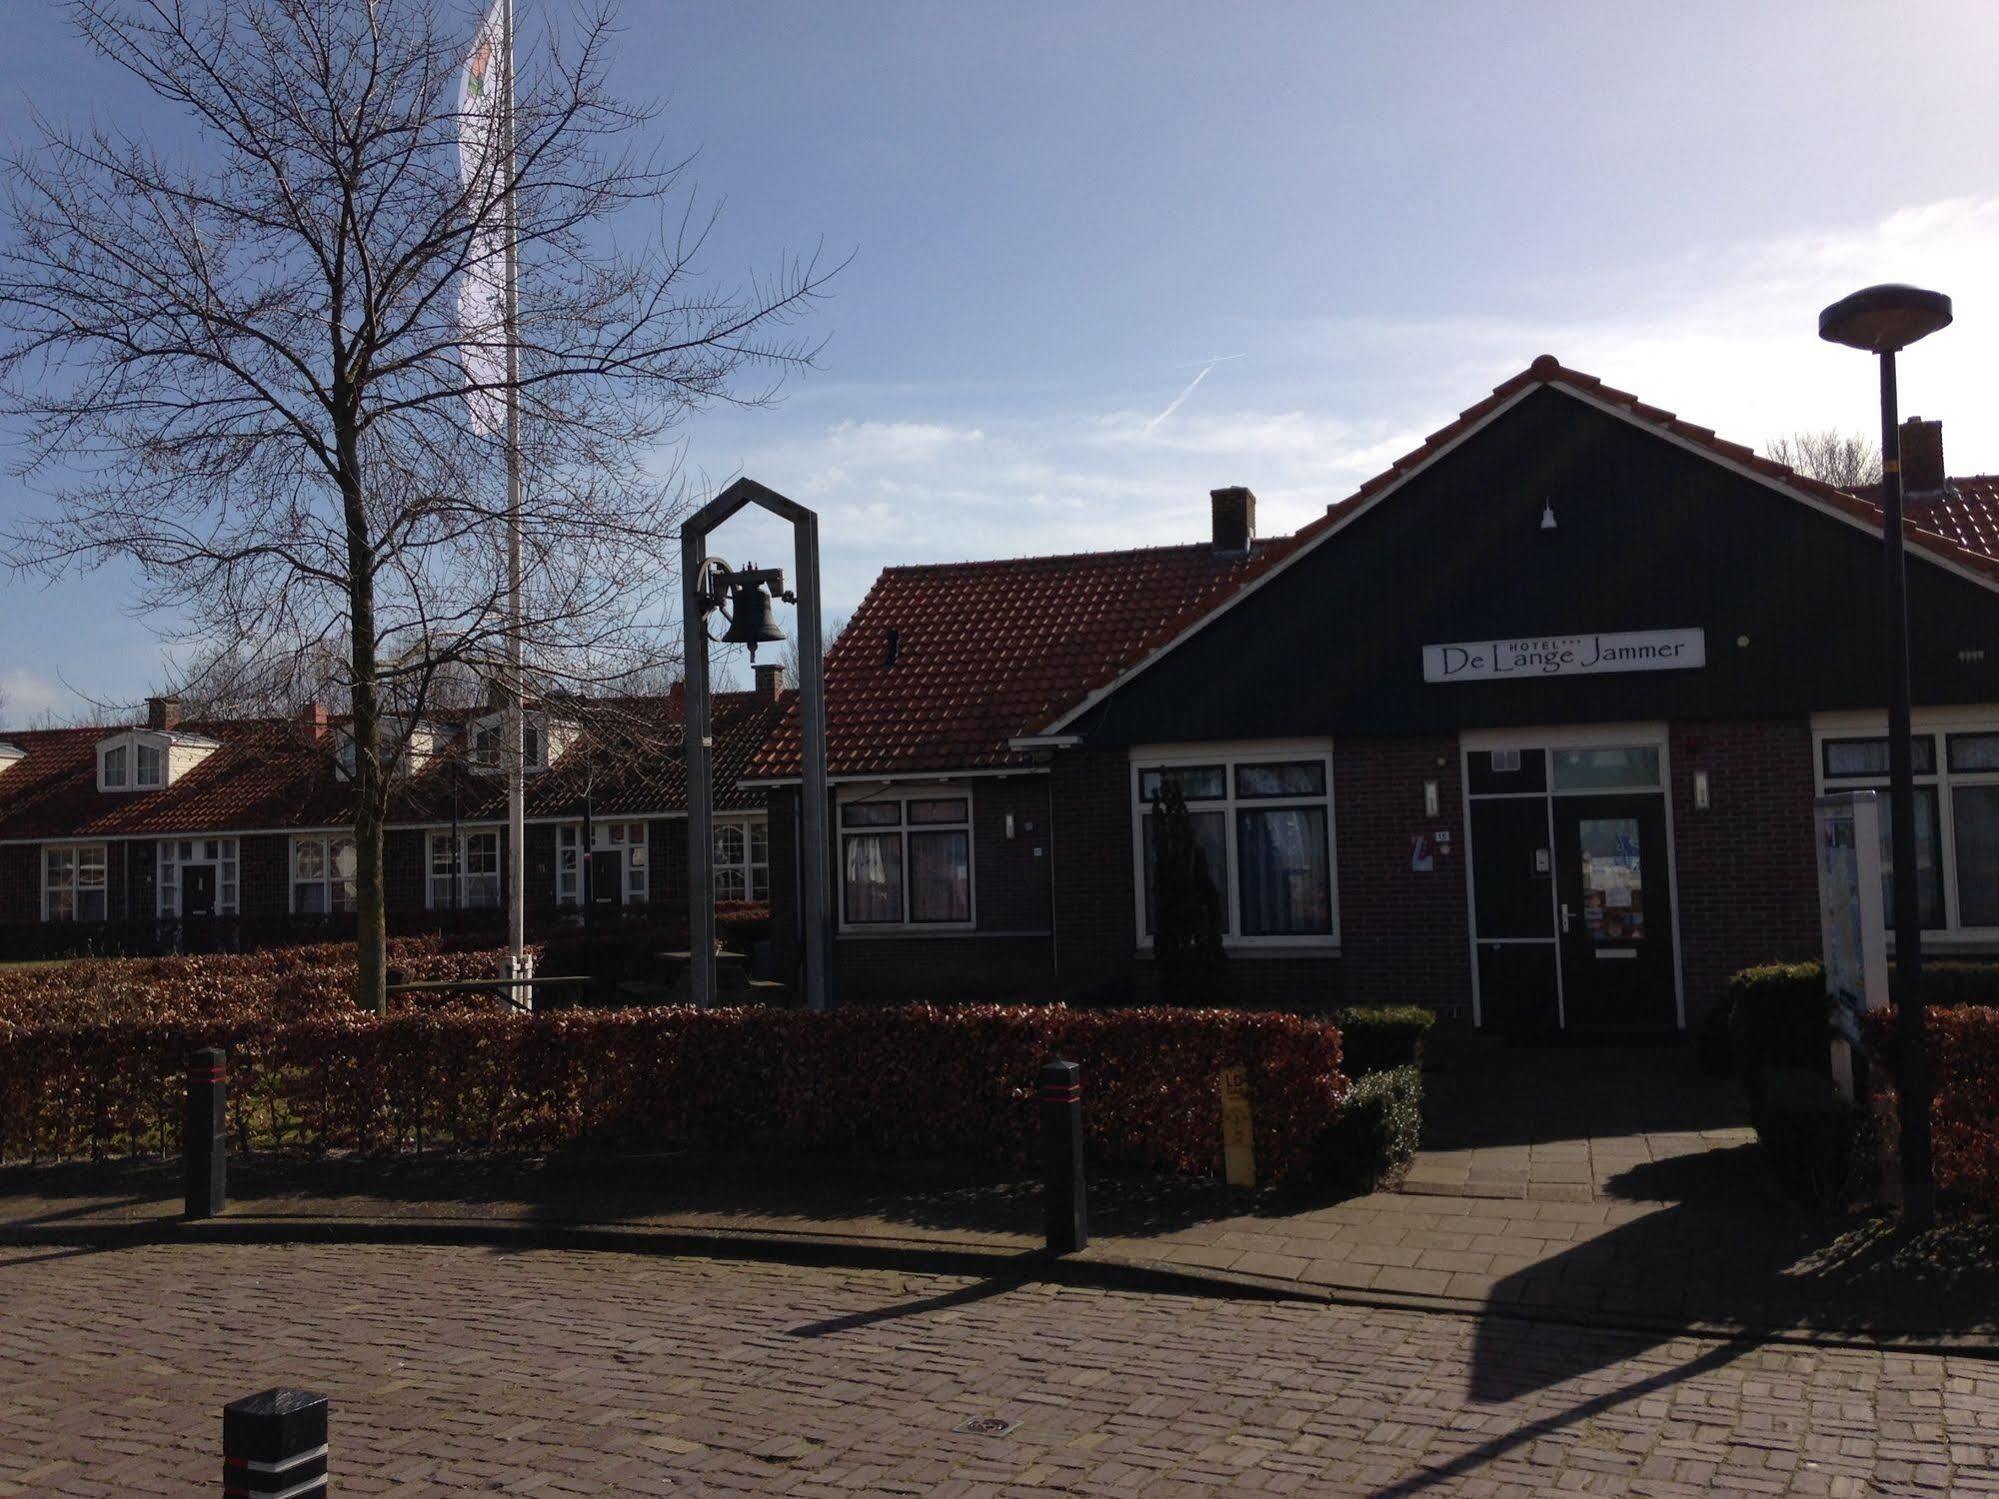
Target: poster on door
{"points": [[1613, 885]]}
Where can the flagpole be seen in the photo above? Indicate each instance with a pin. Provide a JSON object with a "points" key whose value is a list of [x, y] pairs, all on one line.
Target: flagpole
{"points": [[516, 726]]}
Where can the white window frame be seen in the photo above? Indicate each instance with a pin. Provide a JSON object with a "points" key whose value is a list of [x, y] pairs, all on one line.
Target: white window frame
{"points": [[76, 885], [1936, 725], [1229, 755], [492, 762], [223, 855], [630, 839], [433, 900], [750, 866], [129, 746], [326, 879], [902, 794], [1643, 735]]}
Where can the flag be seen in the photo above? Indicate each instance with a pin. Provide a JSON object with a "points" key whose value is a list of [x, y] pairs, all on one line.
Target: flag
{"points": [[482, 295]]}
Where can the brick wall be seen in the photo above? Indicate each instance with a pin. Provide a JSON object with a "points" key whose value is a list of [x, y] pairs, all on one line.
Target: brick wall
{"points": [[263, 873], [1404, 935], [882, 970], [20, 883], [142, 880], [405, 869], [666, 861], [1748, 874], [1095, 935]]}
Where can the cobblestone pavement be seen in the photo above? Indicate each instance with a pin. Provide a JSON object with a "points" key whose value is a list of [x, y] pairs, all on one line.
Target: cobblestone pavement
{"points": [[462, 1371]]}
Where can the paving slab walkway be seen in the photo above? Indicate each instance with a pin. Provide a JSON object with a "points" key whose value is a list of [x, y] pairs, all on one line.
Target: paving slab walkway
{"points": [[1673, 1225]]}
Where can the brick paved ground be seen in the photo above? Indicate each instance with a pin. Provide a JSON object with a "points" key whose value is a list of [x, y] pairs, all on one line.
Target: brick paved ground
{"points": [[457, 1371]]}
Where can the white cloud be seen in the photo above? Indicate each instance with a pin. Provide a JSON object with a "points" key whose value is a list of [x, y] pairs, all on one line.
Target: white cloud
{"points": [[1725, 335], [25, 697], [895, 442]]}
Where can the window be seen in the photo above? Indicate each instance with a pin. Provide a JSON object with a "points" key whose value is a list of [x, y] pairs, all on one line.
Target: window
{"points": [[74, 887], [475, 873], [742, 860], [323, 867], [905, 860], [215, 858], [489, 745], [626, 839], [1264, 826], [149, 761], [114, 766], [1957, 820]]}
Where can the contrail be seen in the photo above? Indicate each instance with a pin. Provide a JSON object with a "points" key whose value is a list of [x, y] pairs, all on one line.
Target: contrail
{"points": [[1180, 400]]}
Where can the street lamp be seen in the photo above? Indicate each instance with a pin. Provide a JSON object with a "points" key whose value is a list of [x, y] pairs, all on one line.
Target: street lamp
{"points": [[1882, 320]]}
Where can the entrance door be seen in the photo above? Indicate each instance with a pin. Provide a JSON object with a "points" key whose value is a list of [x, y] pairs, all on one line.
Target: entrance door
{"points": [[1513, 888], [197, 890], [1615, 911], [607, 877]]}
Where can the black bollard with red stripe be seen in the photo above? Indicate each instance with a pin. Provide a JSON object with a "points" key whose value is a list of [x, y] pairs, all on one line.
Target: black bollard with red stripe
{"points": [[1062, 1156], [274, 1446], [204, 1141]]}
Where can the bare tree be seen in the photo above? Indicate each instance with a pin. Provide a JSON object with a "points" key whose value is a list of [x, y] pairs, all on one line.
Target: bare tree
{"points": [[253, 368], [1845, 460]]}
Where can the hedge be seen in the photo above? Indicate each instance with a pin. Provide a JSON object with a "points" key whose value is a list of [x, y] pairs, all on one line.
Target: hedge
{"points": [[293, 983], [915, 1080], [1380, 1038], [1964, 1057]]}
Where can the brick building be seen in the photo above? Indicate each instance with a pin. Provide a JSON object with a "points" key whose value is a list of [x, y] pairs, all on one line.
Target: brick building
{"points": [[1528, 729], [234, 832]]}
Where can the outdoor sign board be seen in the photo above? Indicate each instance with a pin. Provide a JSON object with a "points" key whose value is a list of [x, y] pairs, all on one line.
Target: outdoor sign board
{"points": [[1848, 826], [1565, 655]]}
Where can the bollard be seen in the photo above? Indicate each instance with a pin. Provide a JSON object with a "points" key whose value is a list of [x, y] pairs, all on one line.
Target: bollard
{"points": [[274, 1444], [204, 1142], [1062, 1157]]}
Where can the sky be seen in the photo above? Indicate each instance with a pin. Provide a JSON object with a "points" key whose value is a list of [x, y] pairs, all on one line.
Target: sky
{"points": [[1106, 258]]}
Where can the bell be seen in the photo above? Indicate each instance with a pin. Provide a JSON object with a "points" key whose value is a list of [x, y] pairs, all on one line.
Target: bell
{"points": [[750, 620]]}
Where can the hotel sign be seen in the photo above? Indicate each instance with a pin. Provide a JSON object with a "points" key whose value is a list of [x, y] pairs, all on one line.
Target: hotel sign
{"points": [[1565, 656]]}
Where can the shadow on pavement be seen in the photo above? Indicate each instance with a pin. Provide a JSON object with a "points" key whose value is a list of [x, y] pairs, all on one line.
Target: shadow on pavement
{"points": [[1617, 1346], [982, 1290], [1725, 1248]]}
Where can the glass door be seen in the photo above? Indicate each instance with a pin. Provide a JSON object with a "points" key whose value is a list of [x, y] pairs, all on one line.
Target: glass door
{"points": [[1615, 912]]}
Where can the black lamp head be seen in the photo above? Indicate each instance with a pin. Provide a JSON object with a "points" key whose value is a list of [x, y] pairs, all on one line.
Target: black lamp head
{"points": [[1882, 319]]}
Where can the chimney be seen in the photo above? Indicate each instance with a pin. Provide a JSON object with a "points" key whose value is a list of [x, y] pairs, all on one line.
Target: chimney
{"points": [[1922, 457], [312, 717], [1234, 512], [770, 682], [162, 712]]}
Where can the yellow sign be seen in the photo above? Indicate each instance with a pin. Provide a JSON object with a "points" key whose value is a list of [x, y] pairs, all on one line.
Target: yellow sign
{"points": [[1238, 1153]]}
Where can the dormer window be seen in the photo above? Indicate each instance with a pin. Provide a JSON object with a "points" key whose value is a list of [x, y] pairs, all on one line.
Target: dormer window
{"points": [[10, 756], [148, 759], [416, 752], [542, 740]]}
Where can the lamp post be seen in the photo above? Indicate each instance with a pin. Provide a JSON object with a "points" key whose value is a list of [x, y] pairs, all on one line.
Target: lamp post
{"points": [[1883, 320]]}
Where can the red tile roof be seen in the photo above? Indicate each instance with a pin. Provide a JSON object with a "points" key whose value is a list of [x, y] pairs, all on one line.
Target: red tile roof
{"points": [[272, 774], [988, 650], [1967, 512], [994, 650]]}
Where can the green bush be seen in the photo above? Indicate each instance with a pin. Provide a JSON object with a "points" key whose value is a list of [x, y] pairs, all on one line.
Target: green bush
{"points": [[1778, 1016], [1813, 1138], [1374, 1134], [1379, 1038]]}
